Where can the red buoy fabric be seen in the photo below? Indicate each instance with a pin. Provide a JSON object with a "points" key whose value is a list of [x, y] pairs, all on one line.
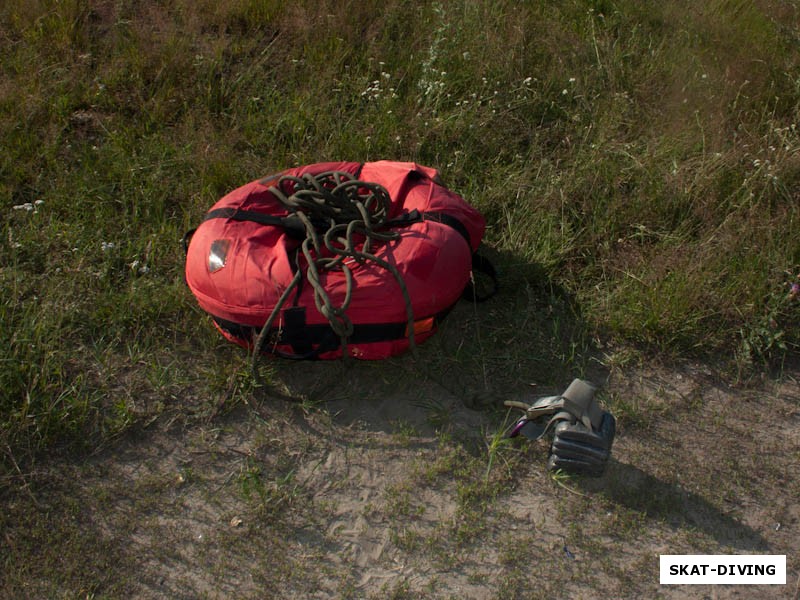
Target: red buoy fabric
{"points": [[238, 269]]}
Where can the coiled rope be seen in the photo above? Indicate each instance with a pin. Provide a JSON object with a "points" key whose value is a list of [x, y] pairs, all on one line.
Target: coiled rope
{"points": [[343, 217]]}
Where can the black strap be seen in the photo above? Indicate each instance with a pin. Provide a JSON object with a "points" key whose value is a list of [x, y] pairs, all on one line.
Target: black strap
{"points": [[237, 214], [405, 219], [296, 331], [365, 333], [309, 341], [450, 221], [186, 239], [481, 266], [294, 228], [291, 223]]}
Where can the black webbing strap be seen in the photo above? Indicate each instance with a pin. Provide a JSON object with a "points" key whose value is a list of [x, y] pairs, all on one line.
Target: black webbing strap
{"points": [[187, 237], [477, 289], [290, 223], [309, 341], [293, 227], [450, 221], [237, 214]]}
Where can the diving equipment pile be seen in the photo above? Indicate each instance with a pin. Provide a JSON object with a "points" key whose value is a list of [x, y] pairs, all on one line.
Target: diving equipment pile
{"points": [[583, 433]]}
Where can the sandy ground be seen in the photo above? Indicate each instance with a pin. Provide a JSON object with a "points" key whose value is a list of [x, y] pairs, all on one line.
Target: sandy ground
{"points": [[380, 483]]}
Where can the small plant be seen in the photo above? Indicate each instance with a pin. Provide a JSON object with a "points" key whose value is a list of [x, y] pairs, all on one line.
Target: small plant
{"points": [[438, 414], [270, 493], [766, 338], [405, 431], [564, 480], [497, 447]]}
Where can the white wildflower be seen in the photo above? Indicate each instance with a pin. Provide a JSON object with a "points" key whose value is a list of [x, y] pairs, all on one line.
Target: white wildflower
{"points": [[138, 267]]}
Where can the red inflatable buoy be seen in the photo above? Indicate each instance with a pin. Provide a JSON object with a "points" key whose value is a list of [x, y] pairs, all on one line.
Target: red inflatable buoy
{"points": [[248, 253]]}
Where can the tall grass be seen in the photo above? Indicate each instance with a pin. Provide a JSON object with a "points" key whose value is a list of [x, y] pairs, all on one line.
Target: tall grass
{"points": [[646, 157]]}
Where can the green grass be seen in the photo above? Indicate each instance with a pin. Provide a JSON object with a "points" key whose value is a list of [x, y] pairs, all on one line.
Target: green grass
{"points": [[642, 161]]}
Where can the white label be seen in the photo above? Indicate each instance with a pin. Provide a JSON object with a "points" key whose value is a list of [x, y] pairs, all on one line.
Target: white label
{"points": [[757, 569]]}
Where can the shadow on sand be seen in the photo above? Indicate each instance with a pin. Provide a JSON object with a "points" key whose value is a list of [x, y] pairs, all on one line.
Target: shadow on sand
{"points": [[630, 487]]}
